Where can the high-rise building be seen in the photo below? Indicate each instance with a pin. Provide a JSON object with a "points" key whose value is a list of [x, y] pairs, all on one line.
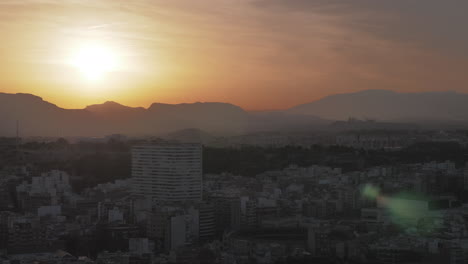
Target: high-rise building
{"points": [[207, 222], [168, 172]]}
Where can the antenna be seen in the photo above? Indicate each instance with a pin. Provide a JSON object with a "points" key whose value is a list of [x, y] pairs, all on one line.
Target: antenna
{"points": [[17, 141]]}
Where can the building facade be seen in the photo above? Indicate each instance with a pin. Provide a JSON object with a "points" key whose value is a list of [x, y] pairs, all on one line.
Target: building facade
{"points": [[168, 172]]}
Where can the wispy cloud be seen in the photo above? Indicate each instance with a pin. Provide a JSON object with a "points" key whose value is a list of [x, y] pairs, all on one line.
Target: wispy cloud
{"points": [[228, 50]]}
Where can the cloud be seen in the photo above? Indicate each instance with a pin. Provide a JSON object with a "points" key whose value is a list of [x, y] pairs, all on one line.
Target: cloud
{"points": [[433, 23]]}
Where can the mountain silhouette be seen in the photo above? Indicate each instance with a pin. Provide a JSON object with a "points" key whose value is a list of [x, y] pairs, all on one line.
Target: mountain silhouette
{"points": [[40, 118], [389, 106], [114, 110]]}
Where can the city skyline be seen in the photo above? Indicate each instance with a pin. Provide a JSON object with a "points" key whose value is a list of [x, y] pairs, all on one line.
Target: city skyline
{"points": [[233, 132], [251, 53]]}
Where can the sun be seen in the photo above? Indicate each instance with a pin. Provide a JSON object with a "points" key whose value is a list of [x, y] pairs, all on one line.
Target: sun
{"points": [[94, 61]]}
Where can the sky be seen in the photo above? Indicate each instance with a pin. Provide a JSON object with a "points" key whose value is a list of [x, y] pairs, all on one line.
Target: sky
{"points": [[257, 54]]}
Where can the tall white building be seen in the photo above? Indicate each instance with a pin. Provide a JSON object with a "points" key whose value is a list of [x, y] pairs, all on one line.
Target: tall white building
{"points": [[168, 172]]}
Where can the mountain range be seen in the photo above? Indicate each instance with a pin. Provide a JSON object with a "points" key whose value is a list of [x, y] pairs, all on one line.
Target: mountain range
{"points": [[37, 117], [40, 118], [390, 106]]}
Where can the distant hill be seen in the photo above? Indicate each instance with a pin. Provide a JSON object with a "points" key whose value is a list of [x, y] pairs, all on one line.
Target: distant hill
{"points": [[284, 121], [191, 135], [217, 118], [355, 124], [40, 118], [113, 110], [389, 106]]}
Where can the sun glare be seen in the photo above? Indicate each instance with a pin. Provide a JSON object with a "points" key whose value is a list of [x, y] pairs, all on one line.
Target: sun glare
{"points": [[94, 61]]}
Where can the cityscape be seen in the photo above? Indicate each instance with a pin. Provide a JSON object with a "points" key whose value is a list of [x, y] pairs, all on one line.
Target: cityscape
{"points": [[233, 132], [368, 197]]}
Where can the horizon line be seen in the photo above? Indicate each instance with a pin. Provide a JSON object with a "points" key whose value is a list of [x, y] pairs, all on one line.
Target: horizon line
{"points": [[221, 102]]}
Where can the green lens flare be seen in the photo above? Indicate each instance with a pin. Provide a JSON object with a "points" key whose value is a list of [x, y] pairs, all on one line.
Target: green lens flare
{"points": [[404, 209], [371, 192]]}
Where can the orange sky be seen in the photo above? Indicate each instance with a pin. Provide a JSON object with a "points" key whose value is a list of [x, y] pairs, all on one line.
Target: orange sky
{"points": [[258, 54]]}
